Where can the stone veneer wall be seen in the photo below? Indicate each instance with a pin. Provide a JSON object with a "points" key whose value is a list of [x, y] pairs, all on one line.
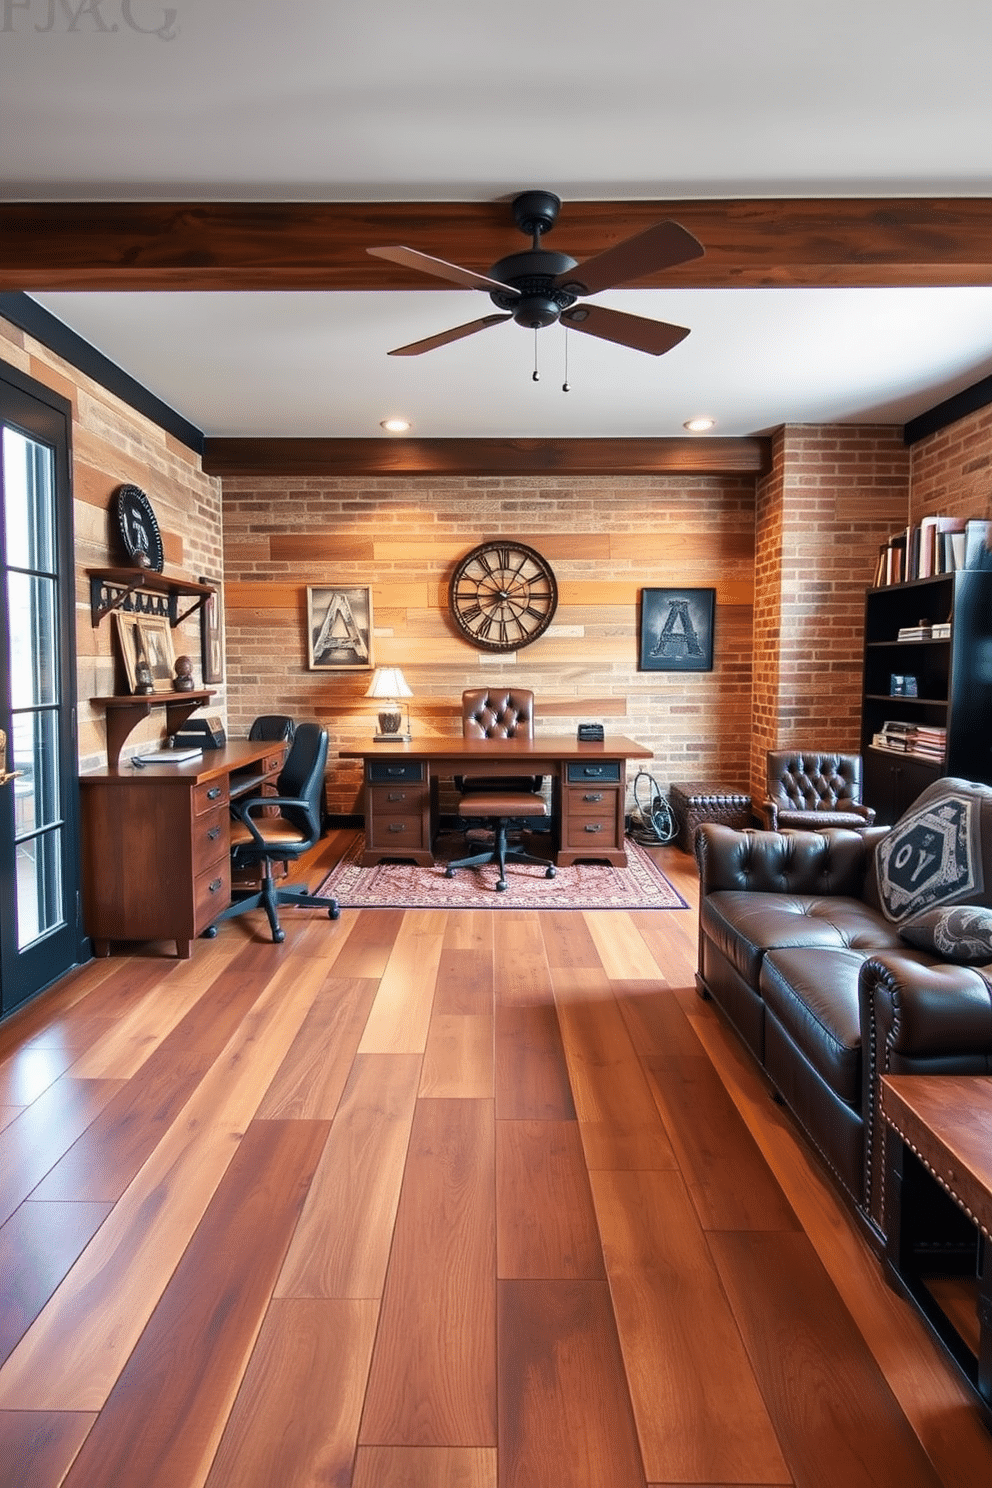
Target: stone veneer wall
{"points": [[832, 496], [605, 539], [113, 445]]}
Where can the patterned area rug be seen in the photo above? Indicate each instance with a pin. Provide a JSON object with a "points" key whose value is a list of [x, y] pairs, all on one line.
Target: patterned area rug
{"points": [[641, 885]]}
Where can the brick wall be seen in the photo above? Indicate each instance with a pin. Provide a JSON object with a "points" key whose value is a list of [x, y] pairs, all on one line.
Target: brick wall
{"points": [[113, 445], [952, 470], [832, 496], [606, 540]]}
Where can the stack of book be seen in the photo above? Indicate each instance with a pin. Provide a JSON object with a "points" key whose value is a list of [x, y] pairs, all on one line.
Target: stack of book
{"points": [[925, 741], [920, 632]]}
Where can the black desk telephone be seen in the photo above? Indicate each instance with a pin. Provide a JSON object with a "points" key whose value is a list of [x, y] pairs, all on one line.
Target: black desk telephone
{"points": [[201, 733]]}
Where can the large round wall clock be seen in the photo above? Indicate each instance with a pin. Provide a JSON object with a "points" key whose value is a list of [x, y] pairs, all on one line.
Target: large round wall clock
{"points": [[503, 595]]}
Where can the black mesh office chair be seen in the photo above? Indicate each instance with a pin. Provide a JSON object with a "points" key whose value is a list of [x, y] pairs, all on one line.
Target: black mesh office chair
{"points": [[503, 800], [272, 726], [260, 836]]}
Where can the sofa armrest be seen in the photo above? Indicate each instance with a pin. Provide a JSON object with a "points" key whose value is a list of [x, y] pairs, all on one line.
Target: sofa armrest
{"points": [[918, 1016], [768, 811], [830, 862]]}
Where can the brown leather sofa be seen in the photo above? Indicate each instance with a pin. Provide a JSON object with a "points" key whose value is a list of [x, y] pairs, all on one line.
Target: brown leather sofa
{"points": [[814, 947]]}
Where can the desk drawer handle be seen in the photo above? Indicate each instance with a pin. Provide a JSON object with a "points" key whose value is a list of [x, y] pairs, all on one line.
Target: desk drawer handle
{"points": [[217, 883], [396, 827], [213, 834], [214, 792], [396, 796], [593, 796], [395, 770], [594, 826], [593, 770]]}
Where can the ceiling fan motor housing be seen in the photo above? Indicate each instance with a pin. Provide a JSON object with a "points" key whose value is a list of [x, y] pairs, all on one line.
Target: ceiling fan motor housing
{"points": [[537, 300]]}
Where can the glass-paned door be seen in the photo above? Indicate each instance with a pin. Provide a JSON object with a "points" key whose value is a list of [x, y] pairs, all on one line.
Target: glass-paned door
{"points": [[39, 850]]}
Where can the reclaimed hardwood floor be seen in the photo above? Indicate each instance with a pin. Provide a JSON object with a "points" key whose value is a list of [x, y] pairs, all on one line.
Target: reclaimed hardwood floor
{"points": [[487, 1199]]}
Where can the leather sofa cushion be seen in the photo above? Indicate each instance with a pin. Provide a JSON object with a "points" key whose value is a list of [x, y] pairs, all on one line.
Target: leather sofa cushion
{"points": [[746, 925], [815, 999]]}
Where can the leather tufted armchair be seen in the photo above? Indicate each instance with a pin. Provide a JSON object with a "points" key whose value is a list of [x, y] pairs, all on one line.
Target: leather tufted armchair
{"points": [[811, 791], [498, 713]]}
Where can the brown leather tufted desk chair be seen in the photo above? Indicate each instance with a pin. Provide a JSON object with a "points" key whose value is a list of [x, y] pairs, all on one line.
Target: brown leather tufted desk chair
{"points": [[499, 713], [812, 791]]}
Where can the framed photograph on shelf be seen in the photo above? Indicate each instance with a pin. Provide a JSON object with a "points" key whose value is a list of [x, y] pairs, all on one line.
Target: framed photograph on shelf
{"points": [[212, 634], [677, 630], [156, 639], [128, 629], [339, 629]]}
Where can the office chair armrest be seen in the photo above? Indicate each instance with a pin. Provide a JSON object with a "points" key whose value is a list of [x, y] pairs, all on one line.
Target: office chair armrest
{"points": [[240, 810]]}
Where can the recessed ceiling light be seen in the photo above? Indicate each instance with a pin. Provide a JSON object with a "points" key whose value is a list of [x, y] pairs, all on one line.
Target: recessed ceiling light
{"points": [[395, 425], [699, 425]]}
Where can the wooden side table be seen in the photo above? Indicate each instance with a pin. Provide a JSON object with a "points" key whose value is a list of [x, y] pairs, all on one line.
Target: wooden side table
{"points": [[938, 1211]]}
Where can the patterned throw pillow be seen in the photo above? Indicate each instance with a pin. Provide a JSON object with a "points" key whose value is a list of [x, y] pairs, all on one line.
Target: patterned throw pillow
{"points": [[932, 856], [962, 933]]}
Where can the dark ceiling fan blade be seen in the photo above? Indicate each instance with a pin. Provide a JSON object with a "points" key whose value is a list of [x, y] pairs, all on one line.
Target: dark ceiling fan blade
{"points": [[660, 247], [411, 259], [652, 336], [443, 337]]}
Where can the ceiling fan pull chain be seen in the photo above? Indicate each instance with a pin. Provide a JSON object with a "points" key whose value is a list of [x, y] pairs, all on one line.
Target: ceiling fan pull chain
{"points": [[535, 375], [565, 387]]}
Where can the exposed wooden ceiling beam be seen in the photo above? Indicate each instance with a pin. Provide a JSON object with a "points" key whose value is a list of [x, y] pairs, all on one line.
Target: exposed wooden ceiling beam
{"points": [[461, 457], [271, 245]]}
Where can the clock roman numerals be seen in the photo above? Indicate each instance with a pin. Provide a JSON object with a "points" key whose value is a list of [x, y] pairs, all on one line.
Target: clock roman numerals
{"points": [[503, 595]]}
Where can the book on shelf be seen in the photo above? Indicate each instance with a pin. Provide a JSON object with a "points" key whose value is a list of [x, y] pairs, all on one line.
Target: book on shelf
{"points": [[977, 538], [921, 632], [941, 631]]}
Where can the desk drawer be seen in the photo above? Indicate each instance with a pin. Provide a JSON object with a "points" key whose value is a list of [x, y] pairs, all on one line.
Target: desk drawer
{"points": [[211, 893], [591, 832], [211, 794], [579, 772], [380, 771], [211, 838], [594, 800], [396, 833]]}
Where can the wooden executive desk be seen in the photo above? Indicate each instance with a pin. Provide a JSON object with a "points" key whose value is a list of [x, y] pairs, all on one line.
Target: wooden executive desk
{"points": [[157, 843], [587, 785]]}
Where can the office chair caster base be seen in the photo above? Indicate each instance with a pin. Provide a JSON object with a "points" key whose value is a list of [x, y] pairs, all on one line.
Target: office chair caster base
{"points": [[550, 872], [210, 933], [334, 913], [501, 886]]}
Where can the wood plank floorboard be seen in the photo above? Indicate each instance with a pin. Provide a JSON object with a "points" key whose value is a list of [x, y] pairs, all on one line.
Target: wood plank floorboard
{"points": [[479, 1199], [433, 1375], [38, 1246], [564, 1408], [165, 1415]]}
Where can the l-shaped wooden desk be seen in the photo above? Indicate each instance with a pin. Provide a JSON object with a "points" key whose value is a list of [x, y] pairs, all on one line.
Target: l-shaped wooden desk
{"points": [[587, 790]]}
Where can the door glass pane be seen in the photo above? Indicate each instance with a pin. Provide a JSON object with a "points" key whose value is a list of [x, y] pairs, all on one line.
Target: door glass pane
{"points": [[33, 651], [33, 648], [29, 507], [35, 754], [39, 888]]}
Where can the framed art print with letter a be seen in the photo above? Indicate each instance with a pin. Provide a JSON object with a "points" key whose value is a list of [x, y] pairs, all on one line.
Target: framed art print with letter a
{"points": [[677, 630]]}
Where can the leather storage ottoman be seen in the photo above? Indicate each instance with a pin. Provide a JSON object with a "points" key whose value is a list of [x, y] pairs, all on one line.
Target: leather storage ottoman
{"points": [[692, 804]]}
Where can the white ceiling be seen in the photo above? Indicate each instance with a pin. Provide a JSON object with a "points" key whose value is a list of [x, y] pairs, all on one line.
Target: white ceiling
{"points": [[444, 100]]}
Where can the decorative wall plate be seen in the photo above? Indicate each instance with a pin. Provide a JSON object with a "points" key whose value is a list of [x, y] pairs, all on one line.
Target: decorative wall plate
{"points": [[138, 528], [503, 595]]}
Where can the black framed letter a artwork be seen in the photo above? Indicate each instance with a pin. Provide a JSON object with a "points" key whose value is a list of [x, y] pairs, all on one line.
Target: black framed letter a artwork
{"points": [[677, 630]]}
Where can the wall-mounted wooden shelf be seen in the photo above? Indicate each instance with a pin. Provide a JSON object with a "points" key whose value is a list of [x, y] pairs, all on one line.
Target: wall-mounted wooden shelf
{"points": [[143, 592], [125, 713]]}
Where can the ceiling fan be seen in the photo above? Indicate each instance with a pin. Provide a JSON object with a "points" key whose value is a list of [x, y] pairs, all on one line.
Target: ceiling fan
{"points": [[538, 288]]}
